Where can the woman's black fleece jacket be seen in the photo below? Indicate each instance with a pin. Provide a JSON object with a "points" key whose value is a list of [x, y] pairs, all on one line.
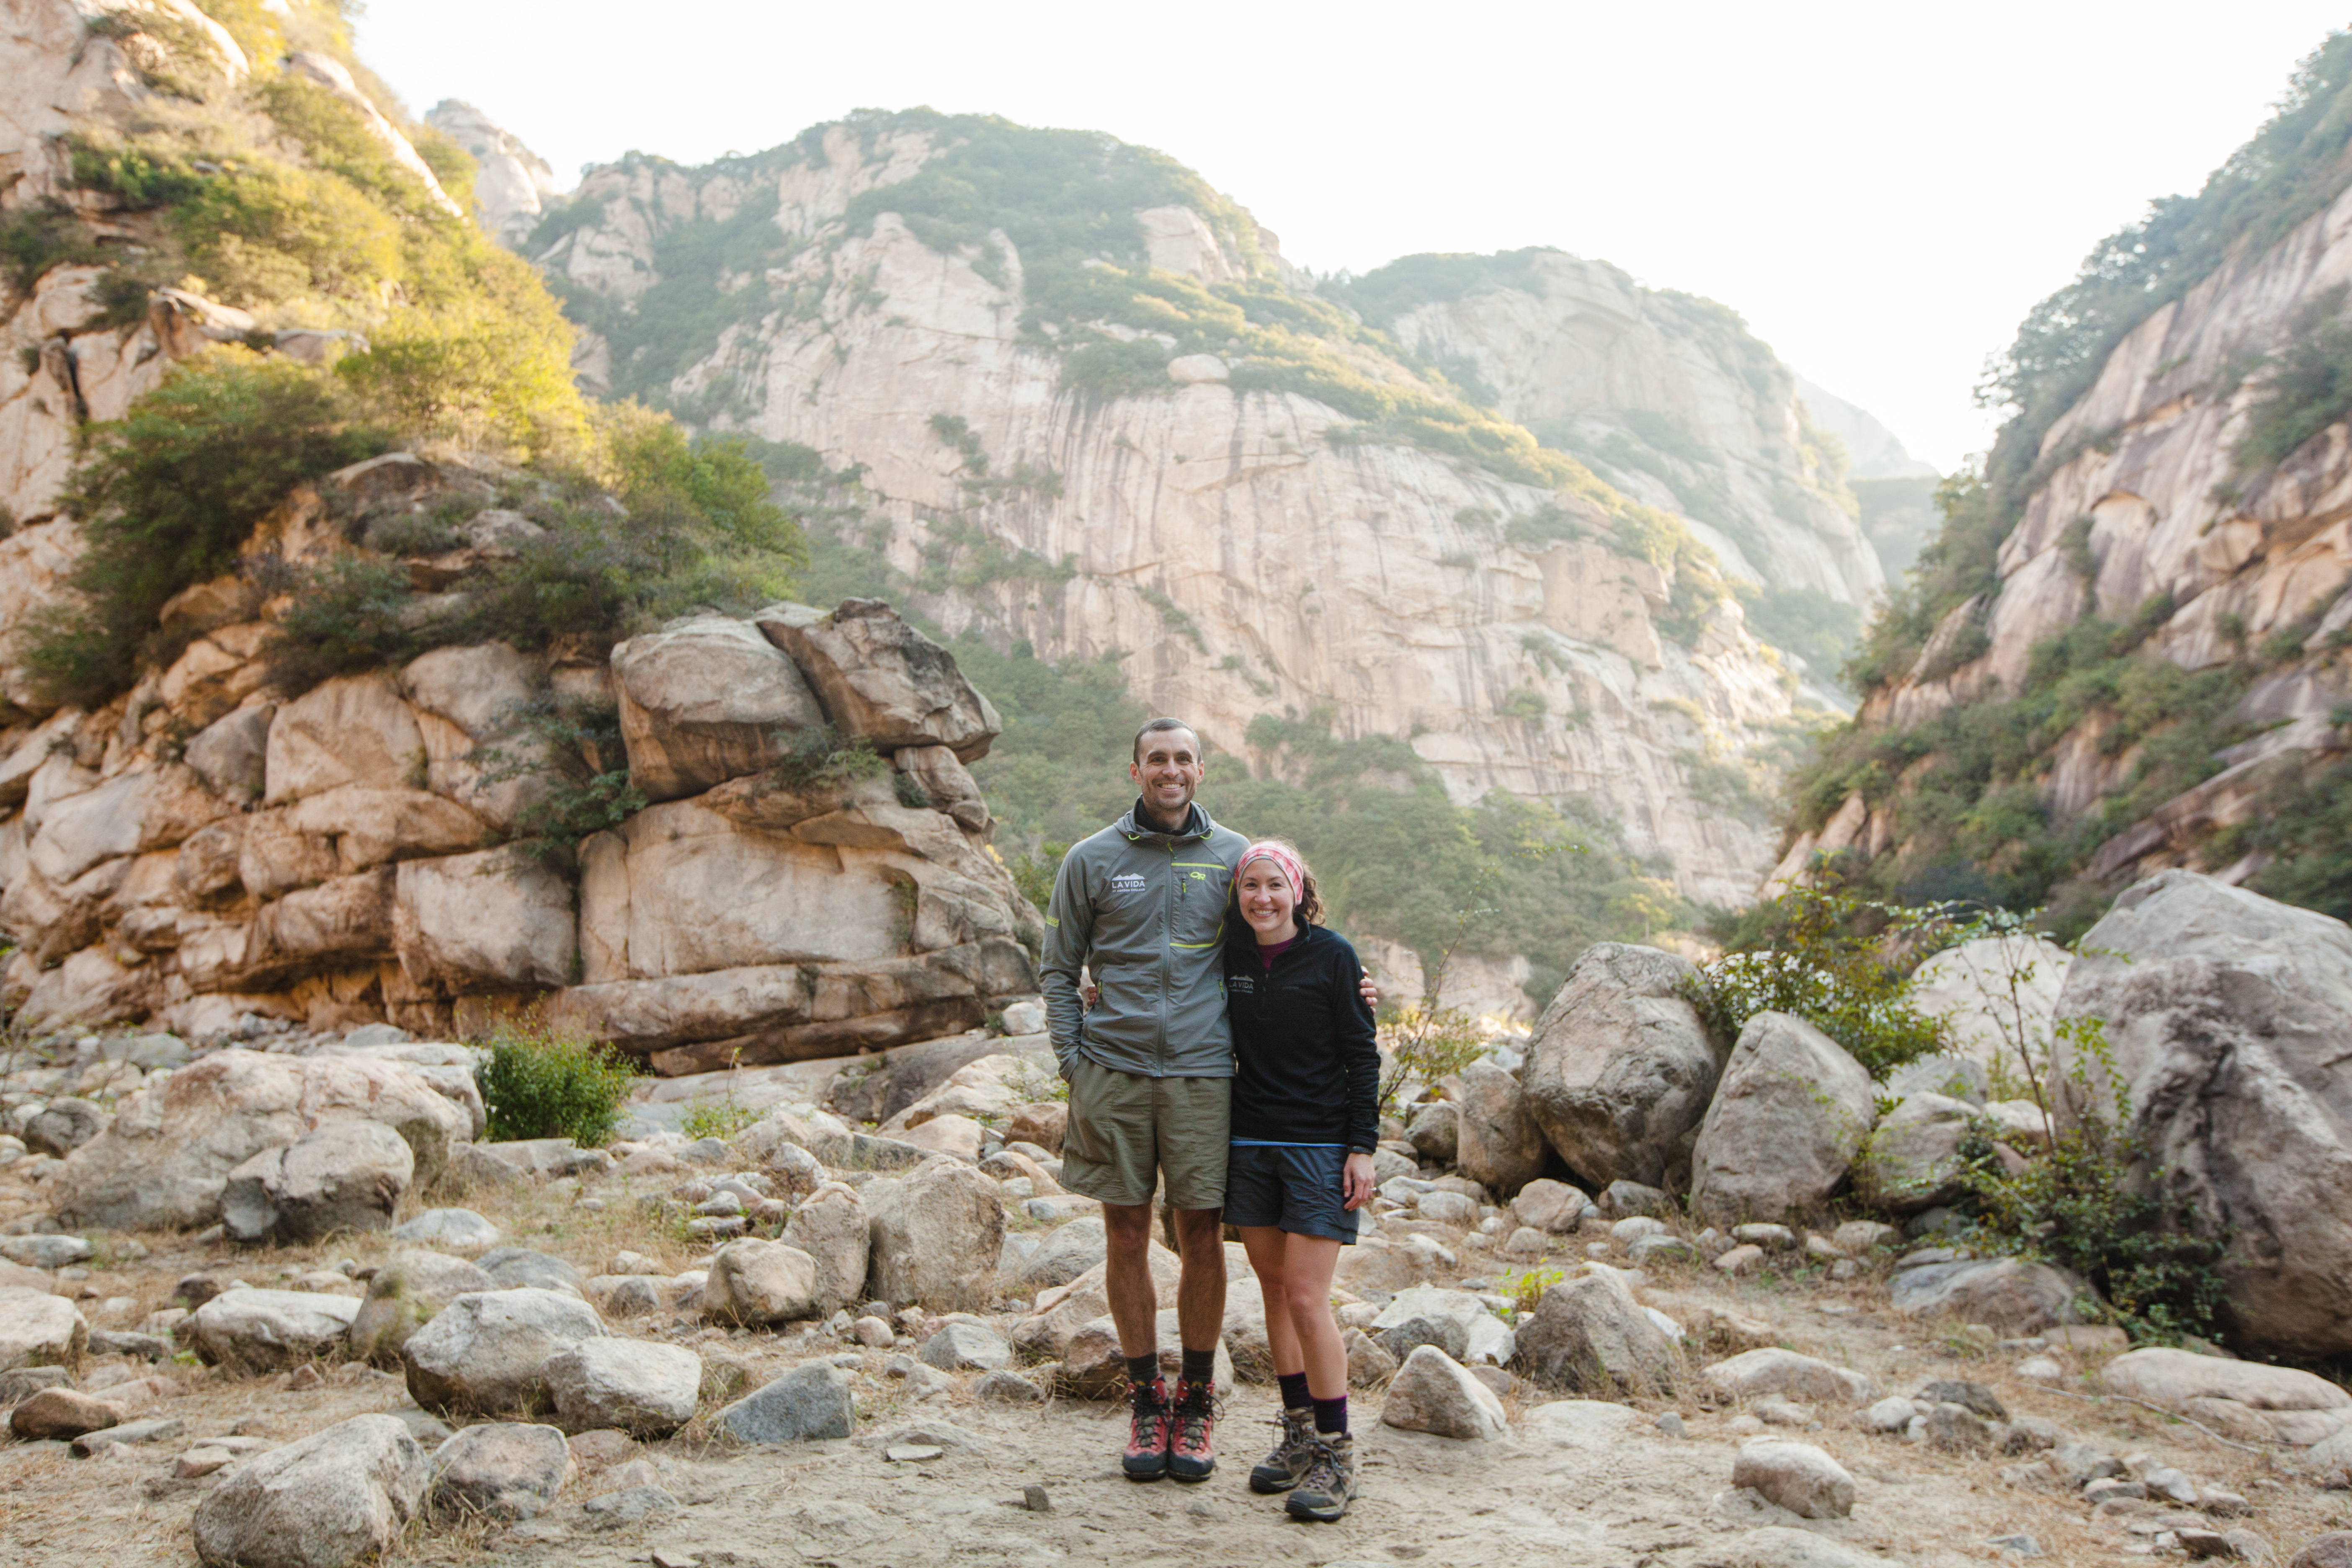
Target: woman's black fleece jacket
{"points": [[1306, 1068]]}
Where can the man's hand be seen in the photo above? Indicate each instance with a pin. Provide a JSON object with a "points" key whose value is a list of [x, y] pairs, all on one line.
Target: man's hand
{"points": [[1370, 993], [1089, 995], [1355, 1180]]}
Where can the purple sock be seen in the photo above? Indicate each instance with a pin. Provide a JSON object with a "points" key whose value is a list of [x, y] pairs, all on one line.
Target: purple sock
{"points": [[1332, 1417], [1294, 1390]]}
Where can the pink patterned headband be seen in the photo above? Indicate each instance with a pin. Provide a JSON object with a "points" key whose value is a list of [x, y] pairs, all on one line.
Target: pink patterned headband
{"points": [[1283, 861]]}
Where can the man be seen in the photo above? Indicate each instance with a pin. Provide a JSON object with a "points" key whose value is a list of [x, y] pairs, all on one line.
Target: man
{"points": [[1141, 904]]}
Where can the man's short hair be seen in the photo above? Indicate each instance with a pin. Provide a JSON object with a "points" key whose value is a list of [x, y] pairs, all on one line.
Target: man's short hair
{"points": [[1153, 726]]}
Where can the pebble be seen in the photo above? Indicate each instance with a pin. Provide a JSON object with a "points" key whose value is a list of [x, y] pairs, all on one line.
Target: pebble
{"points": [[2019, 1545], [1745, 1258], [1034, 1498], [912, 1452]]}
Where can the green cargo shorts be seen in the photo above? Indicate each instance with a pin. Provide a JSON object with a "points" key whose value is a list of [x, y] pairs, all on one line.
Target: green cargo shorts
{"points": [[1125, 1130]]}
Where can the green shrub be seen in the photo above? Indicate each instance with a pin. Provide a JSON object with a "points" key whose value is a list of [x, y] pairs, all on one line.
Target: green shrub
{"points": [[2093, 1202], [722, 1118], [1820, 954], [37, 237], [263, 232], [169, 493], [346, 616], [541, 1083]]}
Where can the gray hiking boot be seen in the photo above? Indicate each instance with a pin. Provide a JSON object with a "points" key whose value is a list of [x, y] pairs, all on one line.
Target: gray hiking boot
{"points": [[1328, 1485], [1279, 1471]]}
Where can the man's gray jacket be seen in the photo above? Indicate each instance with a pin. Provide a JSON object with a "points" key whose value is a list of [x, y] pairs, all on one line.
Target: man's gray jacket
{"points": [[1145, 910]]}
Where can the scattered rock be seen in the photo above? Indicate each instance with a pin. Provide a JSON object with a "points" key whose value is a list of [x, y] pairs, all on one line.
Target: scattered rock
{"points": [[2170, 1378], [1369, 1366], [402, 1297], [1784, 1126], [64, 1125], [754, 1281], [323, 1501], [164, 1161], [37, 1329], [1753, 1373], [1426, 1315], [1434, 1130], [460, 1230], [1970, 1396], [627, 1506], [2010, 1295], [966, 1347], [271, 1330], [1912, 1161], [519, 1267], [1498, 1143], [1432, 1393], [487, 1353], [344, 1175], [2333, 1550], [1798, 1476], [935, 1235], [1553, 1207], [634, 1385], [832, 1226], [43, 1251], [500, 1470], [63, 1412], [808, 1403], [1006, 1387], [1590, 1335]]}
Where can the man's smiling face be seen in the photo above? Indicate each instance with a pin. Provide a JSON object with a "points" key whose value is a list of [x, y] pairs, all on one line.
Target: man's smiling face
{"points": [[1167, 770]]}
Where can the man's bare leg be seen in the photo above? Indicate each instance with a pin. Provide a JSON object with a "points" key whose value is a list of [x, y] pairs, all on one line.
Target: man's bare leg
{"points": [[1201, 1289], [1127, 1278]]}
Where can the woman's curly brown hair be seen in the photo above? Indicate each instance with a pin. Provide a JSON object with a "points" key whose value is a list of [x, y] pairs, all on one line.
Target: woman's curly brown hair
{"points": [[1308, 909]]}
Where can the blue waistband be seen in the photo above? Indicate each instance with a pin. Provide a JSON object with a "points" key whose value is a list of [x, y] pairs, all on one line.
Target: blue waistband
{"points": [[1270, 1144]]}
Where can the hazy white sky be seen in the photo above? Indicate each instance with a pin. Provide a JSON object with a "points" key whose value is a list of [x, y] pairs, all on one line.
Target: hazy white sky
{"points": [[1881, 190]]}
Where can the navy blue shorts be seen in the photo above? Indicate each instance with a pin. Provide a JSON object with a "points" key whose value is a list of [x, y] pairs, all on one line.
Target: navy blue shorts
{"points": [[1292, 1188]]}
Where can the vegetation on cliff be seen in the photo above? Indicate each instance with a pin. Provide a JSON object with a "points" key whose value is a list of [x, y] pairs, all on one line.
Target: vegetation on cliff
{"points": [[1969, 786], [277, 195]]}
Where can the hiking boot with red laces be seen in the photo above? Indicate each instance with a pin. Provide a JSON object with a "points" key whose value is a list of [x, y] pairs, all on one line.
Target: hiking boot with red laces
{"points": [[1145, 1458], [1191, 1456]]}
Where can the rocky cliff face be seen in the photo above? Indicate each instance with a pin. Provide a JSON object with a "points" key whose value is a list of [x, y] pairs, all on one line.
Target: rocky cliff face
{"points": [[1665, 395], [215, 853], [2151, 670], [1160, 444]]}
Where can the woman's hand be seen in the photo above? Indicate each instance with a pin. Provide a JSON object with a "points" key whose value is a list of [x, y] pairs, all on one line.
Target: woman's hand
{"points": [[1370, 992], [1355, 1180]]}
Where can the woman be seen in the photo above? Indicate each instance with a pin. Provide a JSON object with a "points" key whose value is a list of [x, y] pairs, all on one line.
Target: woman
{"points": [[1305, 1121]]}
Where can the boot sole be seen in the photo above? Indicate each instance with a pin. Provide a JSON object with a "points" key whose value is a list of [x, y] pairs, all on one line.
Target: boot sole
{"points": [[1190, 1476], [1329, 1513], [1136, 1472], [1271, 1482]]}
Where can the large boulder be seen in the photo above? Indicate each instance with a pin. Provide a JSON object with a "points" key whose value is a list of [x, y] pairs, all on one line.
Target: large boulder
{"points": [[832, 1226], [272, 1330], [163, 1162], [326, 1500], [1788, 1118], [634, 1385], [754, 1281], [1911, 1160], [704, 700], [937, 1234], [2226, 1014], [1993, 995], [2296, 1406], [489, 1352], [37, 1329], [1590, 1335], [883, 681], [1497, 1142], [404, 1295], [345, 1175], [1621, 1069]]}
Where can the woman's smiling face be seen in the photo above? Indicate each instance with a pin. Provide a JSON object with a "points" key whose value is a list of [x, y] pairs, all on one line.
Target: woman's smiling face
{"points": [[1267, 900]]}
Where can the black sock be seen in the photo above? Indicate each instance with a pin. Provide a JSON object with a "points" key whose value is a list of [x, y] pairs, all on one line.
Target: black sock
{"points": [[1142, 1369], [1200, 1366], [1332, 1417], [1294, 1390]]}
